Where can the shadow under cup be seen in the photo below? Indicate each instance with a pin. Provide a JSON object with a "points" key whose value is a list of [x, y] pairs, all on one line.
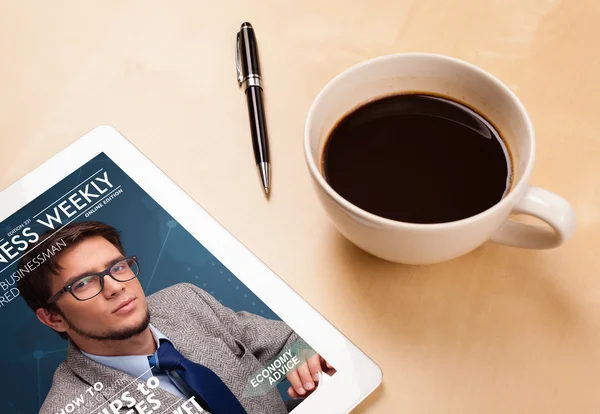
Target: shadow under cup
{"points": [[419, 73]]}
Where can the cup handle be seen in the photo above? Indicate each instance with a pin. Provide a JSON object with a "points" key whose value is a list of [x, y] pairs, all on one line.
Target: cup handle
{"points": [[547, 206]]}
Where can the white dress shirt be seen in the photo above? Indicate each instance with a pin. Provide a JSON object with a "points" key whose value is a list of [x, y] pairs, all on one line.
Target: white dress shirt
{"points": [[139, 367]]}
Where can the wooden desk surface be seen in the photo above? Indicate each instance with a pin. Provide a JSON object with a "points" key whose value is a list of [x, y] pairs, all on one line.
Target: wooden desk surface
{"points": [[500, 330]]}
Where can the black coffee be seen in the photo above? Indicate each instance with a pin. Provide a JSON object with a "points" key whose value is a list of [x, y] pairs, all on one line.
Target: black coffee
{"points": [[417, 158]]}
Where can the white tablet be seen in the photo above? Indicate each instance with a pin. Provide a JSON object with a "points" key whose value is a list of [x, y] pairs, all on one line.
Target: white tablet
{"points": [[120, 294]]}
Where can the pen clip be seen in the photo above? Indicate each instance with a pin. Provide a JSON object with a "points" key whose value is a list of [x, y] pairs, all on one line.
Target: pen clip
{"points": [[240, 77]]}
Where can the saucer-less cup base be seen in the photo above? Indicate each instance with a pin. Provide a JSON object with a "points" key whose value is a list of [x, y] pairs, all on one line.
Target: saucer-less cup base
{"points": [[430, 243]]}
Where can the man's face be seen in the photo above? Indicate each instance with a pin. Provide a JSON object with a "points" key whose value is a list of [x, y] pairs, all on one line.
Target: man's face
{"points": [[118, 312]]}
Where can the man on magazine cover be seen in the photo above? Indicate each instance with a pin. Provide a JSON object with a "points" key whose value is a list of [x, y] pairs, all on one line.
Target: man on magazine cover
{"points": [[178, 343]]}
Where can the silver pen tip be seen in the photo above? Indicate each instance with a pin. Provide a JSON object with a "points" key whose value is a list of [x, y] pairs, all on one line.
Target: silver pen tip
{"points": [[264, 172]]}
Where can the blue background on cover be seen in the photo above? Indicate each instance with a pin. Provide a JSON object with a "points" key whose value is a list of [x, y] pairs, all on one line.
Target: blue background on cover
{"points": [[168, 254]]}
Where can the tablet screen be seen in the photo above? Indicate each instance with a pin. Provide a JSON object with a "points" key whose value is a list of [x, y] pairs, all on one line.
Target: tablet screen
{"points": [[109, 305]]}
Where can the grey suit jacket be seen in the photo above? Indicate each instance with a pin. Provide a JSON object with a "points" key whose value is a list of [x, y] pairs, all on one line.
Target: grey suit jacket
{"points": [[234, 345]]}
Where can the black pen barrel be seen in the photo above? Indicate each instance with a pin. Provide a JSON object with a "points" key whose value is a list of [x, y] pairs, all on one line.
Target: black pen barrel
{"points": [[257, 124], [250, 63]]}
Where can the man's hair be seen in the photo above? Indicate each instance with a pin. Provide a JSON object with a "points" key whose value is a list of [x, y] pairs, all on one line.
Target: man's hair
{"points": [[35, 286]]}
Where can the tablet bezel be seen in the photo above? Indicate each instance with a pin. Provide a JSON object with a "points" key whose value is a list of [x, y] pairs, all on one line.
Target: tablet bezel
{"points": [[357, 375]]}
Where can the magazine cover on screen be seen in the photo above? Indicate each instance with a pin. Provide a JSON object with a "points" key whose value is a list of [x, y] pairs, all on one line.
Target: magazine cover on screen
{"points": [[109, 306]]}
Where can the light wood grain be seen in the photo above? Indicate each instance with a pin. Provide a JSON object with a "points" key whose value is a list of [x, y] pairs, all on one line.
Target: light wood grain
{"points": [[500, 330]]}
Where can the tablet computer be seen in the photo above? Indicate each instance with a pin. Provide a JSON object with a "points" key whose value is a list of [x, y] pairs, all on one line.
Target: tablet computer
{"points": [[120, 294]]}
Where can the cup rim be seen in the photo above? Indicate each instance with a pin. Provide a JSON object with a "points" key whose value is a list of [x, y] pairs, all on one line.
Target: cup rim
{"points": [[364, 214]]}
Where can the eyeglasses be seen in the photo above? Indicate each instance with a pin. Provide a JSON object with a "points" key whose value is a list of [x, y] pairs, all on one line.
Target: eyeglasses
{"points": [[88, 286]]}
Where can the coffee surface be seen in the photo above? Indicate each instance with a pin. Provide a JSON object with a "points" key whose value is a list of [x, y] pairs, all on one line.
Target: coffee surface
{"points": [[417, 158]]}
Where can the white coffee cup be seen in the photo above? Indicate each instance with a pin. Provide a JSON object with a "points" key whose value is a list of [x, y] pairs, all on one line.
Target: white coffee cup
{"points": [[429, 243]]}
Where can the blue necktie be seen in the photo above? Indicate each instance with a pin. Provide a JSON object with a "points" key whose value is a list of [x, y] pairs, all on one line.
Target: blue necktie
{"points": [[205, 383]]}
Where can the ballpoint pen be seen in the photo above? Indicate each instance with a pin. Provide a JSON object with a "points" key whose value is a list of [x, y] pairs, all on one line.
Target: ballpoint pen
{"points": [[248, 73]]}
